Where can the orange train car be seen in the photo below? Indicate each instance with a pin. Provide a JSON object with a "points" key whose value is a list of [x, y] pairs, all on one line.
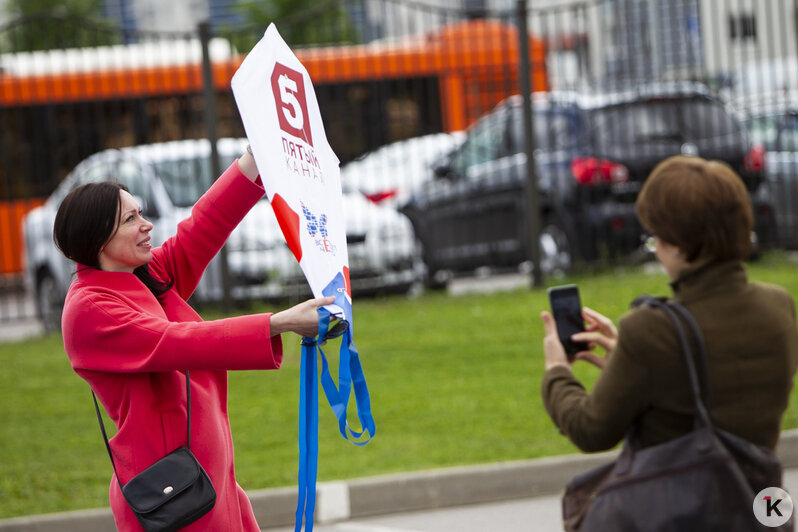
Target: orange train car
{"points": [[475, 63], [466, 68]]}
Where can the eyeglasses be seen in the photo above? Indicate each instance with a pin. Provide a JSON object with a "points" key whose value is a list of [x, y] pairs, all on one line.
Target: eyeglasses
{"points": [[648, 241]]}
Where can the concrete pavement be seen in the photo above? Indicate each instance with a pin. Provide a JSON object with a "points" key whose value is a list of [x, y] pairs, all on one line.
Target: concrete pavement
{"points": [[543, 513], [538, 514], [478, 498]]}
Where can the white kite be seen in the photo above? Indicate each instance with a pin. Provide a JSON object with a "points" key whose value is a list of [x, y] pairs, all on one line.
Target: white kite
{"points": [[298, 167], [300, 173]]}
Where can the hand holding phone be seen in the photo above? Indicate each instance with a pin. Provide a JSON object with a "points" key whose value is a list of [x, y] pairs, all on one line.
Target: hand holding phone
{"points": [[567, 311]]}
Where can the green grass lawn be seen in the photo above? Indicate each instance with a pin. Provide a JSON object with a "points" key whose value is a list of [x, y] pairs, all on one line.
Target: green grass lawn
{"points": [[453, 380]]}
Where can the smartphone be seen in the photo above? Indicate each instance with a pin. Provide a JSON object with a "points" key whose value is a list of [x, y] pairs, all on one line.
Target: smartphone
{"points": [[567, 311]]}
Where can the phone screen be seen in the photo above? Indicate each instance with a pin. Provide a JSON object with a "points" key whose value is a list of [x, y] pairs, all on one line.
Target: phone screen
{"points": [[567, 311]]}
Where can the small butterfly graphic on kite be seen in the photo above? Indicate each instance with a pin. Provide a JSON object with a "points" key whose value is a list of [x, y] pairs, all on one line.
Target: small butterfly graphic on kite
{"points": [[318, 226]]}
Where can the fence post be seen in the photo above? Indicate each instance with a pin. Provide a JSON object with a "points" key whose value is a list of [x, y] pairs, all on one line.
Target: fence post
{"points": [[531, 195], [211, 119]]}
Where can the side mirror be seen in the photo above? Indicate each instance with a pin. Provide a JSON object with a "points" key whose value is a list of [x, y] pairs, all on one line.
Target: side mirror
{"points": [[442, 169]]}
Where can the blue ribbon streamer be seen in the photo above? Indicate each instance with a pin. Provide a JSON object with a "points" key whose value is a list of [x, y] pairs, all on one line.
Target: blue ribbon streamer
{"points": [[350, 375], [308, 435]]}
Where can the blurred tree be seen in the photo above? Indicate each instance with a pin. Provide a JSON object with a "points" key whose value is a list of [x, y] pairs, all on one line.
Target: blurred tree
{"points": [[49, 24], [303, 22]]}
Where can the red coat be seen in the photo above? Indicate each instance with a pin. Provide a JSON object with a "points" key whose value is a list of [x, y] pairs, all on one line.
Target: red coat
{"points": [[132, 350]]}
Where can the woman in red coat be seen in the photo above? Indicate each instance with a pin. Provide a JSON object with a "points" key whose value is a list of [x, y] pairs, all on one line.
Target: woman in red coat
{"points": [[130, 334]]}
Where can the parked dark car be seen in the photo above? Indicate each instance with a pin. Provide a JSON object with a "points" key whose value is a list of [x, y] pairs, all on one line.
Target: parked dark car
{"points": [[592, 154]]}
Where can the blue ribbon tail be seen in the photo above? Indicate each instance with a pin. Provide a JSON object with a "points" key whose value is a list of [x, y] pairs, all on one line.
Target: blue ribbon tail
{"points": [[350, 378], [308, 436]]}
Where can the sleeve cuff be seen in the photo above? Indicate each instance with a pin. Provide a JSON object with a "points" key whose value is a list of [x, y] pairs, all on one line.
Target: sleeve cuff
{"points": [[276, 351], [556, 372]]}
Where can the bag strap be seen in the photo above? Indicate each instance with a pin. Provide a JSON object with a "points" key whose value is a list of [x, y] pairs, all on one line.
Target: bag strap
{"points": [[701, 356], [105, 436], [698, 381], [698, 375]]}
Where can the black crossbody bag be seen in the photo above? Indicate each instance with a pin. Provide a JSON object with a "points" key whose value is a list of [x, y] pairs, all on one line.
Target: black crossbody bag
{"points": [[704, 480], [173, 492]]}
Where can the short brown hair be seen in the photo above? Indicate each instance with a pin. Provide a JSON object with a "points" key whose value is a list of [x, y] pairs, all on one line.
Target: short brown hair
{"points": [[699, 206]]}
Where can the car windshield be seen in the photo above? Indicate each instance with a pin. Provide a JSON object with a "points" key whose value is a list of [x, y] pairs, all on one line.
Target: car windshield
{"points": [[186, 179], [555, 129], [483, 144], [764, 130], [652, 126], [789, 134]]}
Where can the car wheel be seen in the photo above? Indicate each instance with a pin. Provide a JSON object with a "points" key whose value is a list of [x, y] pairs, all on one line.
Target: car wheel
{"points": [[435, 279], [426, 269], [555, 251], [49, 302]]}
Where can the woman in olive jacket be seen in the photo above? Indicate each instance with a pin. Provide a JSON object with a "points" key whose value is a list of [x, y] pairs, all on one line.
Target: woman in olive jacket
{"points": [[700, 216]]}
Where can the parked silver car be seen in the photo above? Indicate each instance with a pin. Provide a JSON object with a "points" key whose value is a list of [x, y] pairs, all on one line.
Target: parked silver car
{"points": [[167, 179], [772, 122], [392, 173]]}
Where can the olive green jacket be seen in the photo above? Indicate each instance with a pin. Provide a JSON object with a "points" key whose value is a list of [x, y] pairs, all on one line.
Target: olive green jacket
{"points": [[752, 351]]}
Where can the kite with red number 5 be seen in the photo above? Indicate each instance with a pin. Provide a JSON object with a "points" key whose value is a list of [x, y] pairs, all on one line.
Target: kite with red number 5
{"points": [[297, 165], [300, 173]]}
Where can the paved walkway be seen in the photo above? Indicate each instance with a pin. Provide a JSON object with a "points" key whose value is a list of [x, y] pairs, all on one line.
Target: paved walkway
{"points": [[17, 330], [507, 515], [534, 514], [17, 316]]}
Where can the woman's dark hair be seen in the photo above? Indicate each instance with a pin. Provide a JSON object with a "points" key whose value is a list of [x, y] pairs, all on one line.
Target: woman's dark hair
{"points": [[86, 219], [698, 205]]}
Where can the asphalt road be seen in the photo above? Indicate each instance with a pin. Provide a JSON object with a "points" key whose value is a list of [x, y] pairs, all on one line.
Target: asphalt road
{"points": [[17, 315]]}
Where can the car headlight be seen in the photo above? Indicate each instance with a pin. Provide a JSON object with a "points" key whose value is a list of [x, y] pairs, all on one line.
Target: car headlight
{"points": [[398, 232]]}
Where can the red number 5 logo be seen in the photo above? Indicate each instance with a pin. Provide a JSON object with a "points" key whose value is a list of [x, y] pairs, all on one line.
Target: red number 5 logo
{"points": [[292, 108]]}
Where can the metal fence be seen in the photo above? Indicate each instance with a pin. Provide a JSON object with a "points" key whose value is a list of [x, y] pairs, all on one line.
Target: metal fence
{"points": [[417, 102]]}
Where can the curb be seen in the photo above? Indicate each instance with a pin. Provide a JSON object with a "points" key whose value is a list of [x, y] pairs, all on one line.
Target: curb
{"points": [[401, 492]]}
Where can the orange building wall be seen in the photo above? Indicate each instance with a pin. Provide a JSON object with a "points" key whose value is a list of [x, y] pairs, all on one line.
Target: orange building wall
{"points": [[11, 245]]}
